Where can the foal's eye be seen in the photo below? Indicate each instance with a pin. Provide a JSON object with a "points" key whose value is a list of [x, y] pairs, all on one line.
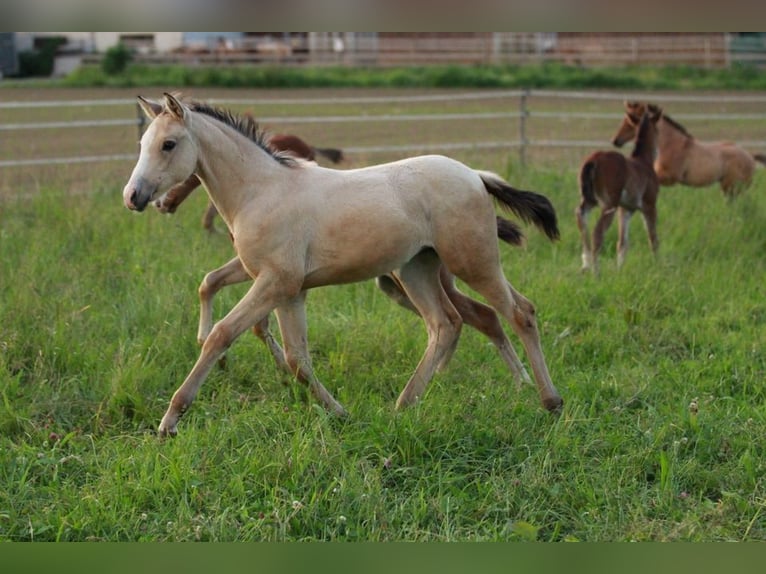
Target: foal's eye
{"points": [[168, 145]]}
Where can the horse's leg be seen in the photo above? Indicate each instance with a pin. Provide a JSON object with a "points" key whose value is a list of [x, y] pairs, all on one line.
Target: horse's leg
{"points": [[484, 319], [177, 194], [649, 213], [207, 219], [479, 316], [391, 287], [525, 325], [520, 313], [420, 279], [622, 241], [231, 273], [292, 324], [581, 214], [603, 223], [262, 297]]}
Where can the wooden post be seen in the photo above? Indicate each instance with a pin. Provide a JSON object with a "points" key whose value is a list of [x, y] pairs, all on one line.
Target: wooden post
{"points": [[523, 114]]}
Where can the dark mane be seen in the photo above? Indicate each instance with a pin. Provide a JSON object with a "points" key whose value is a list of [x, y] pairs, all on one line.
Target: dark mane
{"points": [[676, 125], [247, 126]]}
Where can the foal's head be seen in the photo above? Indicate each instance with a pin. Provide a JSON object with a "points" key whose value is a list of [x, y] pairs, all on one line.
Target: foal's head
{"points": [[628, 129], [168, 153]]}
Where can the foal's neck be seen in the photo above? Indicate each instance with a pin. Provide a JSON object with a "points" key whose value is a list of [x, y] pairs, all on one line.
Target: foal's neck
{"points": [[228, 164], [646, 141]]}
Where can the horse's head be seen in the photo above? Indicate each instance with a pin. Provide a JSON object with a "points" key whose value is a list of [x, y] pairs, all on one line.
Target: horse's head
{"points": [[168, 153], [628, 129]]}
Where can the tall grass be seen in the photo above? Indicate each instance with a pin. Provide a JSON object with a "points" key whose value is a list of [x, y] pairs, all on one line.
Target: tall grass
{"points": [[661, 365]]}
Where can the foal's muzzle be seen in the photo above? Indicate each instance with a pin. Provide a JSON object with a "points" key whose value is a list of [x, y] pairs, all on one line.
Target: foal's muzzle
{"points": [[137, 196]]}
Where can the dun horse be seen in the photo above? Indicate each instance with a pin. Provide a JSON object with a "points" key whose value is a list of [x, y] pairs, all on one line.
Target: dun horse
{"points": [[620, 186], [683, 159], [473, 313], [297, 225], [280, 142]]}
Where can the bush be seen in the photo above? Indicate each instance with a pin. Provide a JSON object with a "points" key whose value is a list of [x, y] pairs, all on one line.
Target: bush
{"points": [[39, 62], [116, 59]]}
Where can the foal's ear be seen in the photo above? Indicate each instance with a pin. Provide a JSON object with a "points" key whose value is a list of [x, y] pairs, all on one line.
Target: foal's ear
{"points": [[151, 109], [174, 106]]}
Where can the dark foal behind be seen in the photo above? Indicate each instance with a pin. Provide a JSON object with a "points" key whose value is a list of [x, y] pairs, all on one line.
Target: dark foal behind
{"points": [[287, 143], [620, 185]]}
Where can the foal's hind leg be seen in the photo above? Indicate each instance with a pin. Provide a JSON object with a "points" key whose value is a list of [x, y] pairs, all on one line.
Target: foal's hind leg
{"points": [[484, 319], [603, 223], [581, 215], [391, 287], [420, 279], [292, 324], [477, 315], [520, 313]]}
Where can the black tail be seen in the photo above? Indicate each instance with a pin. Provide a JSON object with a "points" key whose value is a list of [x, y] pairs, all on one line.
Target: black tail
{"points": [[759, 157], [509, 232], [530, 206], [334, 155], [587, 173]]}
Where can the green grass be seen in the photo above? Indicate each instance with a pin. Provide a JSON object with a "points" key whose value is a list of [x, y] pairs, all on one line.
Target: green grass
{"points": [[98, 315], [546, 75]]}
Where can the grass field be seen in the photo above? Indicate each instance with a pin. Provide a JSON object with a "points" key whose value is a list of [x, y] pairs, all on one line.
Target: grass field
{"points": [[661, 366]]}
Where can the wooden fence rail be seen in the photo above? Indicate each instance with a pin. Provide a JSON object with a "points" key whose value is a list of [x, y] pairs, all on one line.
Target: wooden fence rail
{"points": [[522, 110]]}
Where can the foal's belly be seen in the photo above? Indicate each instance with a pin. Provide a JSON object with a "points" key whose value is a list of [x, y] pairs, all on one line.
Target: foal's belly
{"points": [[349, 263]]}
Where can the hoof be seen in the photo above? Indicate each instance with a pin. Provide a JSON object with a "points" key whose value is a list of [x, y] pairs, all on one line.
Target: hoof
{"points": [[554, 405], [165, 433]]}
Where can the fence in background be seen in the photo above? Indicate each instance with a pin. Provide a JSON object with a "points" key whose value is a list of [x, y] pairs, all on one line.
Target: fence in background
{"points": [[516, 105]]}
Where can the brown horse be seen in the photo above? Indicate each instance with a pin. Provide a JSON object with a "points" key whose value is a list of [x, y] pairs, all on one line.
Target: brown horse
{"points": [[287, 143], [620, 185], [683, 159]]}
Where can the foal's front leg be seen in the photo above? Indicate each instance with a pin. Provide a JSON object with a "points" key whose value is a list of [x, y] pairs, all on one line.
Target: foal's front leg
{"points": [[229, 274], [262, 297], [623, 228], [177, 194]]}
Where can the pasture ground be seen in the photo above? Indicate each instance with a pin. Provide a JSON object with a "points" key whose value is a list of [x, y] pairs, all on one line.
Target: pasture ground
{"points": [[661, 365]]}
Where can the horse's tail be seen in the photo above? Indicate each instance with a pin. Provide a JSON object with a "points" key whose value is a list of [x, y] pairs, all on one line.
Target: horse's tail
{"points": [[334, 155], [530, 206], [509, 232], [587, 175], [759, 157]]}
